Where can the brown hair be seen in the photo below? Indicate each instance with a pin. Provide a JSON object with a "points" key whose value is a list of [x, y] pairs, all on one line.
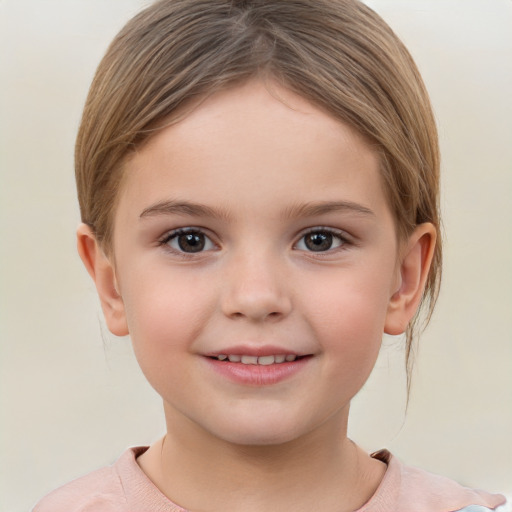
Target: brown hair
{"points": [[338, 54]]}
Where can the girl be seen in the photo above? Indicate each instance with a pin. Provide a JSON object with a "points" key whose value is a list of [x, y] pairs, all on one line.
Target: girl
{"points": [[258, 184]]}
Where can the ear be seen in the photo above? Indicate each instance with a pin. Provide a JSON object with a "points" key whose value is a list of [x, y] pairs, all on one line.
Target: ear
{"points": [[103, 274], [412, 274]]}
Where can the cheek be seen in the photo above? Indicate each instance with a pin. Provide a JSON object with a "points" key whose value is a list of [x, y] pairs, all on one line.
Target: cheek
{"points": [[163, 323], [165, 311], [350, 334], [351, 298], [348, 315]]}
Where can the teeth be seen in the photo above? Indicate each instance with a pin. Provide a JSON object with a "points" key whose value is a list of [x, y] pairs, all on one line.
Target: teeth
{"points": [[262, 360], [249, 359]]}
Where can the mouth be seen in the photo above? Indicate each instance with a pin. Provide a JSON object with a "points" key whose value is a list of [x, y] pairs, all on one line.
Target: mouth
{"points": [[255, 370], [266, 360]]}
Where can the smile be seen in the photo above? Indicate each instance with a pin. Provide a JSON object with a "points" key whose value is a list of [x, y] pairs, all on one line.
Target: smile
{"points": [[257, 370], [257, 360]]}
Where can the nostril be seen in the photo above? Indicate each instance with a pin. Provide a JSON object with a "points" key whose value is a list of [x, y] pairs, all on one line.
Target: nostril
{"points": [[273, 315], [255, 304]]}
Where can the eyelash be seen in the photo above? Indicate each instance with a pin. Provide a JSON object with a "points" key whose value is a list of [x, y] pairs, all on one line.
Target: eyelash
{"points": [[342, 237], [174, 235]]}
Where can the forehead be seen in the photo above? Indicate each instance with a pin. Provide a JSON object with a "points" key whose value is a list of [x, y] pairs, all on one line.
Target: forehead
{"points": [[254, 143]]}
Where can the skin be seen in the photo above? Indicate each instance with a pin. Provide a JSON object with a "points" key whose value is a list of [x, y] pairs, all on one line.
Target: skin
{"points": [[255, 157]]}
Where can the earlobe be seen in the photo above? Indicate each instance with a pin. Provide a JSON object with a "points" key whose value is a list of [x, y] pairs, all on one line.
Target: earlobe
{"points": [[102, 272], [412, 275]]}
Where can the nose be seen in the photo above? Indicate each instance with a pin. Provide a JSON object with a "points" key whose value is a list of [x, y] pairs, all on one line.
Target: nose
{"points": [[255, 289]]}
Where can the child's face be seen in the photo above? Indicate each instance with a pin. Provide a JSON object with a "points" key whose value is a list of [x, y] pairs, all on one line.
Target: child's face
{"points": [[287, 247]]}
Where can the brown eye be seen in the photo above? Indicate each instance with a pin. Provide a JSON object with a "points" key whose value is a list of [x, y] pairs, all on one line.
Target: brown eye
{"points": [[320, 240], [189, 241]]}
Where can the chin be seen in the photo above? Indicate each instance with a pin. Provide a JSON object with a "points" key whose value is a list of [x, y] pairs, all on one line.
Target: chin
{"points": [[260, 432], [259, 439]]}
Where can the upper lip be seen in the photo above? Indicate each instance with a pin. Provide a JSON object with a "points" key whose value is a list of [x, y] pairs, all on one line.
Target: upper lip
{"points": [[247, 350]]}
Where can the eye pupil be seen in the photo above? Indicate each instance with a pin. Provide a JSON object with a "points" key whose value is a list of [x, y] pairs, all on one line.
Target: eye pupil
{"points": [[318, 241], [191, 242]]}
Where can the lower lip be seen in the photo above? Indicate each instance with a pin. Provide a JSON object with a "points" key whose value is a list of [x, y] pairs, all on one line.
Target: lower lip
{"points": [[257, 374]]}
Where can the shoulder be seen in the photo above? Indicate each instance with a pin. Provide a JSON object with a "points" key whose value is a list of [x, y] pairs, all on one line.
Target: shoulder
{"points": [[414, 490], [99, 491]]}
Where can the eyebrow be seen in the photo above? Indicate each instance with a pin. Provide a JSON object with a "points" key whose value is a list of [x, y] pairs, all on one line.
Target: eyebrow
{"points": [[321, 208], [312, 209], [183, 208]]}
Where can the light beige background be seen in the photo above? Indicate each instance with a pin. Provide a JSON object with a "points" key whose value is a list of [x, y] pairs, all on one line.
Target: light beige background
{"points": [[72, 397]]}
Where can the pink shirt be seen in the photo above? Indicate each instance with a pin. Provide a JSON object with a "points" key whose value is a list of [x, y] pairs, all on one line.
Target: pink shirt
{"points": [[124, 487]]}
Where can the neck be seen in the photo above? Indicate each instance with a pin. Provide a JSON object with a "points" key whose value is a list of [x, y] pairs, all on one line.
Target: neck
{"points": [[323, 470]]}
